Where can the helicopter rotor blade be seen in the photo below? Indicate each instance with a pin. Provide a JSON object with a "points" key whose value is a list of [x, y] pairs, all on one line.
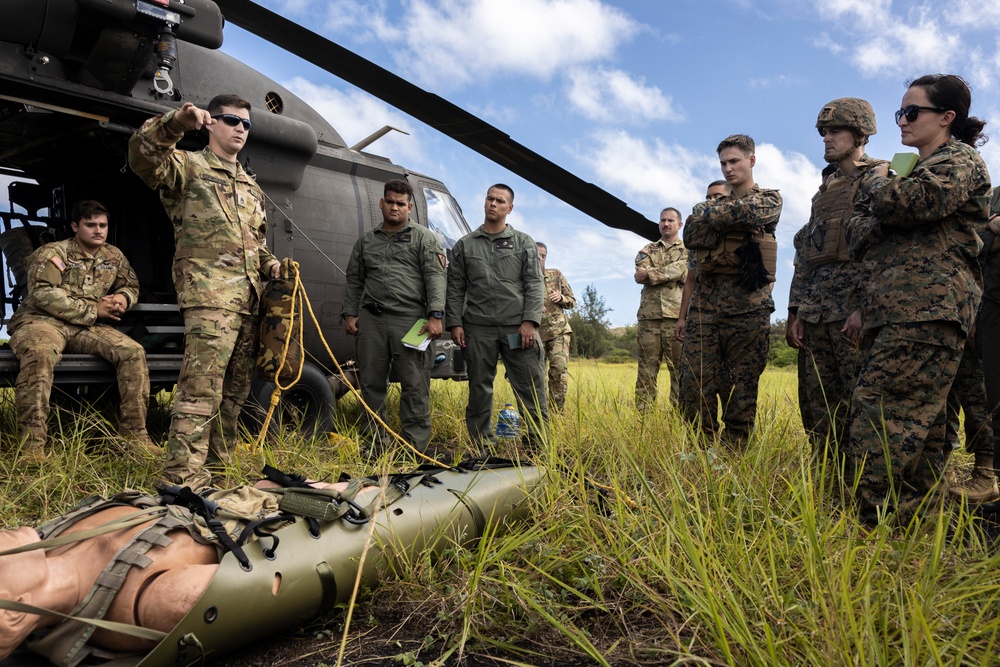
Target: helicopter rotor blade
{"points": [[440, 114]]}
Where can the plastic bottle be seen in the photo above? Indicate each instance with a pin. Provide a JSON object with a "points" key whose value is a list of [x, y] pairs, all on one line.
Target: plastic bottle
{"points": [[508, 423]]}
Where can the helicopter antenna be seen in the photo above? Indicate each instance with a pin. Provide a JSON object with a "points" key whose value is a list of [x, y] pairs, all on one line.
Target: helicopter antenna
{"points": [[375, 136]]}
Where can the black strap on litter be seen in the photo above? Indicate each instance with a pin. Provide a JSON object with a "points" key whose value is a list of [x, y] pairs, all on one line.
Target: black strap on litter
{"points": [[206, 509]]}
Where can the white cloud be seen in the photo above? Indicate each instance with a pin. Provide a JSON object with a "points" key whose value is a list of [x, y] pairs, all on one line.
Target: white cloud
{"points": [[355, 115], [655, 174], [882, 40], [613, 95], [452, 42]]}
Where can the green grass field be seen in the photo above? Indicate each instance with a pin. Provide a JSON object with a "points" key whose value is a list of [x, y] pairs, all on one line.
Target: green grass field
{"points": [[698, 556]]}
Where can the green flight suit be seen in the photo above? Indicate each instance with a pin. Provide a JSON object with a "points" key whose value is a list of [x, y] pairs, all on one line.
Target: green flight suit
{"points": [[495, 283], [404, 274]]}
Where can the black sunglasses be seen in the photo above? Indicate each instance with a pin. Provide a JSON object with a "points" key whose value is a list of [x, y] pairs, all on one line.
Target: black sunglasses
{"points": [[911, 112], [232, 120]]}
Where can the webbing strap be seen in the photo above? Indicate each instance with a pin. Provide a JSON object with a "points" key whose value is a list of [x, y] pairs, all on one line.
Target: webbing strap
{"points": [[127, 521], [122, 628], [65, 644]]}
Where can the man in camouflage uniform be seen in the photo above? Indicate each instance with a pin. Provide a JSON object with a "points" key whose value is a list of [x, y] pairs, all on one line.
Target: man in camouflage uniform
{"points": [[977, 385], [716, 190], [823, 304], [395, 277], [494, 307], [661, 268], [220, 263], [555, 331], [727, 326], [71, 285]]}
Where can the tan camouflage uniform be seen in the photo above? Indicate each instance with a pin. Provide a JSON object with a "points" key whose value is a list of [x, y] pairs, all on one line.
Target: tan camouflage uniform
{"points": [[555, 333], [220, 264], [60, 315], [916, 236], [726, 336], [659, 306], [825, 290]]}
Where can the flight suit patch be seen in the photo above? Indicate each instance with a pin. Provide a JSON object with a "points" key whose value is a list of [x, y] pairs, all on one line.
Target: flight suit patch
{"points": [[403, 237], [505, 244]]}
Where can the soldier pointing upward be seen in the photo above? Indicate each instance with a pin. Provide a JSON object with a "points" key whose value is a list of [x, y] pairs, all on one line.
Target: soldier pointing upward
{"points": [[220, 264]]}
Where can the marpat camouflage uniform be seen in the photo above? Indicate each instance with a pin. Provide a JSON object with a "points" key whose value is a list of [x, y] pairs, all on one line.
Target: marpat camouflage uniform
{"points": [[220, 264], [555, 333], [917, 238], [404, 273], [659, 306], [60, 315], [494, 284], [726, 335], [825, 290]]}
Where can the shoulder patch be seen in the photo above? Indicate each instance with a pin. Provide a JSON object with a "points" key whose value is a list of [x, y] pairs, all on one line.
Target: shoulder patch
{"points": [[641, 256], [55, 259]]}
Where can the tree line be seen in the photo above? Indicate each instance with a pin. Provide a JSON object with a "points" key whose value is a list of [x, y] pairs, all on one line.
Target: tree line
{"points": [[594, 337]]}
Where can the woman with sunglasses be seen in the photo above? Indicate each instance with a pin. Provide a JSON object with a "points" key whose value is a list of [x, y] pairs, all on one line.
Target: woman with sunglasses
{"points": [[917, 237]]}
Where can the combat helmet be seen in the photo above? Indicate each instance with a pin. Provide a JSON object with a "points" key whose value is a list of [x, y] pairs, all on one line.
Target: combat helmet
{"points": [[852, 112]]}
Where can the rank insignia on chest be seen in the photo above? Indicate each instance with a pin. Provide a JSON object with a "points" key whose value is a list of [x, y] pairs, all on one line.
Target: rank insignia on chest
{"points": [[402, 237], [505, 244], [241, 200], [55, 259]]}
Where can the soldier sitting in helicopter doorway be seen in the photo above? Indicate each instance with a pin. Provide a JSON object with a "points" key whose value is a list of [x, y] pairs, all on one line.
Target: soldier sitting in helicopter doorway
{"points": [[396, 279], [220, 265], [73, 285]]}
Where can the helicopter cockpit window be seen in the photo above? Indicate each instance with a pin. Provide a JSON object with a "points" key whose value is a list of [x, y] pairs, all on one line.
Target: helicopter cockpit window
{"points": [[444, 219]]}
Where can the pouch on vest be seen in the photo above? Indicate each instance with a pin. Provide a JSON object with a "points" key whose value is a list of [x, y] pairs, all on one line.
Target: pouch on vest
{"points": [[276, 328]]}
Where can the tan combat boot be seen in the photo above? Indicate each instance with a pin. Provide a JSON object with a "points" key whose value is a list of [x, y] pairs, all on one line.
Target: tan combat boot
{"points": [[982, 486], [142, 441]]}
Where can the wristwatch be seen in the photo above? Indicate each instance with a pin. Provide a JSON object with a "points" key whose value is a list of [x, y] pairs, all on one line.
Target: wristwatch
{"points": [[436, 314]]}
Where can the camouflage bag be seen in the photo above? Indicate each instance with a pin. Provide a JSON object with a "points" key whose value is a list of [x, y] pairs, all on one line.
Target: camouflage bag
{"points": [[276, 328]]}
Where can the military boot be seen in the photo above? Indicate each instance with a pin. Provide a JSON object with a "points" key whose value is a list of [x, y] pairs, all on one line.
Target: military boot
{"points": [[142, 441], [982, 486]]}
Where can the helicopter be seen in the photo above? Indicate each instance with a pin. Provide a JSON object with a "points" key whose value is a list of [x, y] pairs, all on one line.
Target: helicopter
{"points": [[78, 77]]}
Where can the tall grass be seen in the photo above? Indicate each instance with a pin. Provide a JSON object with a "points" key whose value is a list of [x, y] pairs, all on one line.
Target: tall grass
{"points": [[697, 555]]}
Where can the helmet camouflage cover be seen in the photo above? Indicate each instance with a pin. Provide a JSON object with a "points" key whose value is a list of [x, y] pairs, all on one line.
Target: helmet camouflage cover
{"points": [[851, 112]]}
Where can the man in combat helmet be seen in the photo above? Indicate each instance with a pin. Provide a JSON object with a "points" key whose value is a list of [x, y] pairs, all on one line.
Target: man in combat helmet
{"points": [[824, 317]]}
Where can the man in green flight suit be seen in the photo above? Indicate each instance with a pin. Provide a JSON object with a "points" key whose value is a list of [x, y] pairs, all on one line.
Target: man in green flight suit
{"points": [[220, 264], [72, 284], [396, 277], [494, 306]]}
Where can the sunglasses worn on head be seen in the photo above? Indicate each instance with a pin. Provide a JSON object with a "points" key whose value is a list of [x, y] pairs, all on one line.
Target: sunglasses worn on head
{"points": [[911, 112], [232, 120]]}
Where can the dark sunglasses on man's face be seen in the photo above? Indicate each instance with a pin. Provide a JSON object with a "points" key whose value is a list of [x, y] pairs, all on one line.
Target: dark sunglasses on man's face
{"points": [[232, 120], [911, 112]]}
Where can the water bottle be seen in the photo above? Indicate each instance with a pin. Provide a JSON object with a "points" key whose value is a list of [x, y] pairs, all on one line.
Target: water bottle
{"points": [[508, 423]]}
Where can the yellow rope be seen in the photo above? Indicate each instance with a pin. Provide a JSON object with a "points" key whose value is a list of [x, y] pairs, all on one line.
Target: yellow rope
{"points": [[299, 297]]}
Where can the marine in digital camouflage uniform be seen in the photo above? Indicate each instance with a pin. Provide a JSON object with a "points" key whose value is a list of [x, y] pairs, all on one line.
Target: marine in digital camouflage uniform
{"points": [[661, 268], [221, 261], [555, 331], [395, 277], [825, 290], [494, 307], [726, 335], [72, 284], [916, 236]]}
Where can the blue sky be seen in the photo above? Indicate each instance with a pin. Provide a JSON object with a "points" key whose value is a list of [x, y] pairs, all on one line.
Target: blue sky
{"points": [[635, 95]]}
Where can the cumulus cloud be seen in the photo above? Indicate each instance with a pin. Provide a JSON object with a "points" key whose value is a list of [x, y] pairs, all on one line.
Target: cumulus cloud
{"points": [[447, 43], [355, 115], [882, 40], [604, 94]]}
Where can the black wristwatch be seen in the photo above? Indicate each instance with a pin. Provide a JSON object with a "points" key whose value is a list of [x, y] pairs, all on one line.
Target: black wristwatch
{"points": [[436, 314]]}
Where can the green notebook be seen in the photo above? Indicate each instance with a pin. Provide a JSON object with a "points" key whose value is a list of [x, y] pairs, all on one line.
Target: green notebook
{"points": [[414, 339], [903, 163]]}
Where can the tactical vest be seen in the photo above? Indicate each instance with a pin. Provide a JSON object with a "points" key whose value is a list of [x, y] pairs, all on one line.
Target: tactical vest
{"points": [[723, 260], [825, 239]]}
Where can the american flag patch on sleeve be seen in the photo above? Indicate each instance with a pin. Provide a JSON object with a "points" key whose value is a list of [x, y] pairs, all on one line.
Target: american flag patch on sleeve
{"points": [[58, 262]]}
